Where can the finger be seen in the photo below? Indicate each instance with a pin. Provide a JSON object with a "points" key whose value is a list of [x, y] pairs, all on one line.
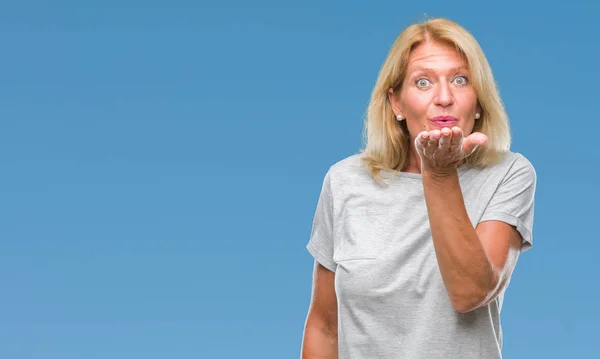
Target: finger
{"points": [[422, 140], [432, 145], [434, 138], [445, 139], [457, 139], [473, 141]]}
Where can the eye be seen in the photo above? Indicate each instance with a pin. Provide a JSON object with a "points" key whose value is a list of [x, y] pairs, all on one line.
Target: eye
{"points": [[422, 82], [460, 80]]}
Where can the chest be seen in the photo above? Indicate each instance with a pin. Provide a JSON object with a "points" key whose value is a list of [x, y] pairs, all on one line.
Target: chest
{"points": [[383, 242]]}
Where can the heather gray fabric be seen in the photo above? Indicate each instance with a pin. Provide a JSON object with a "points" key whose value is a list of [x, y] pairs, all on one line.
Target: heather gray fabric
{"points": [[392, 302]]}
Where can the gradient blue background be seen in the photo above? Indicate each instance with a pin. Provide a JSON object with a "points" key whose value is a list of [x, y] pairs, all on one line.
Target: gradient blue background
{"points": [[161, 162]]}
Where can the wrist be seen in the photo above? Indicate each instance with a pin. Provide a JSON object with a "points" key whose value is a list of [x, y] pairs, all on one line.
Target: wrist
{"points": [[438, 175], [439, 172]]}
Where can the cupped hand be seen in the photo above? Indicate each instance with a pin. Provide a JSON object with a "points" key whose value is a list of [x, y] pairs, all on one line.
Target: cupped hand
{"points": [[442, 150]]}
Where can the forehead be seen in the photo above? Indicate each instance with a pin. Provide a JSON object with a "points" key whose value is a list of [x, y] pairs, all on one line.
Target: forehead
{"points": [[435, 56]]}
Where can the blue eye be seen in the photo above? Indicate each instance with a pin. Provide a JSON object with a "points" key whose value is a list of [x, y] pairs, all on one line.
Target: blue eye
{"points": [[422, 82], [460, 80]]}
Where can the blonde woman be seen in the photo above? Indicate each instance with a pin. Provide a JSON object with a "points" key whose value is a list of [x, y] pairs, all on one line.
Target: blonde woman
{"points": [[416, 237]]}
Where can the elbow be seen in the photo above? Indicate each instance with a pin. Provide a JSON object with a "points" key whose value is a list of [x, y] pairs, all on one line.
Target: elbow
{"points": [[326, 327], [472, 300], [466, 306], [474, 295]]}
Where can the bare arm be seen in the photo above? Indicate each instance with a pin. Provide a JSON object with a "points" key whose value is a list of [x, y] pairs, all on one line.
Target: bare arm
{"points": [[475, 263], [320, 340]]}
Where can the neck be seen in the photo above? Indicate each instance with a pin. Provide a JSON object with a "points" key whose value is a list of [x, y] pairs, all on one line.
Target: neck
{"points": [[413, 164]]}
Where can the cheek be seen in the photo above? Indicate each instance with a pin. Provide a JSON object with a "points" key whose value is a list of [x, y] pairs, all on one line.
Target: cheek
{"points": [[415, 105], [416, 108], [417, 125], [469, 122], [471, 100]]}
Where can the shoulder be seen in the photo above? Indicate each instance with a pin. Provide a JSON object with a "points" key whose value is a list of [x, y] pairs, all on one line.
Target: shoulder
{"points": [[517, 163], [348, 169], [346, 172], [518, 159], [512, 167], [510, 163], [350, 164]]}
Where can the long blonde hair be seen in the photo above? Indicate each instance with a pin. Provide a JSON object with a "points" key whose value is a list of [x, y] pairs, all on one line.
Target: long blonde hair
{"points": [[387, 141]]}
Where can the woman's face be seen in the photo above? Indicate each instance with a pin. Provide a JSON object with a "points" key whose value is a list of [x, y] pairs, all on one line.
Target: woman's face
{"points": [[436, 91]]}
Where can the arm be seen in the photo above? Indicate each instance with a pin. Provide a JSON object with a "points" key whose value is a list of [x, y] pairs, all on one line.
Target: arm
{"points": [[320, 339], [475, 263]]}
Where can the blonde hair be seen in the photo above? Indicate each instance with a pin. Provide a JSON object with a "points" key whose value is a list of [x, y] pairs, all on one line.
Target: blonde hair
{"points": [[387, 141]]}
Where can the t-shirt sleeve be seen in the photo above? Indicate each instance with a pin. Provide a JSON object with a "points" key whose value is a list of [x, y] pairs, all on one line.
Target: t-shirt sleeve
{"points": [[513, 201], [320, 244]]}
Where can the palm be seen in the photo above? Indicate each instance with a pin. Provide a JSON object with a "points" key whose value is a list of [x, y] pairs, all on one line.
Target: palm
{"points": [[441, 151]]}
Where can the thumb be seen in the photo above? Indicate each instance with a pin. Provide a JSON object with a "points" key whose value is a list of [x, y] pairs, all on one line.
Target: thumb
{"points": [[473, 141]]}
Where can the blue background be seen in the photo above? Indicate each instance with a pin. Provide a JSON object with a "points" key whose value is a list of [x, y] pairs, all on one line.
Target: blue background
{"points": [[161, 162]]}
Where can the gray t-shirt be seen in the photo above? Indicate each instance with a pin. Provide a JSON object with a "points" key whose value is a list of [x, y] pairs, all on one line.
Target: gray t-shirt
{"points": [[392, 302]]}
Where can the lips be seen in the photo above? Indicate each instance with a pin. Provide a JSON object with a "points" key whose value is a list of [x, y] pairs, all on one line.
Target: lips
{"points": [[444, 121]]}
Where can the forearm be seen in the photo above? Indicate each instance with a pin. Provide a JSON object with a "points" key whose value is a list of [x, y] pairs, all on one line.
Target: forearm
{"points": [[319, 342], [467, 272]]}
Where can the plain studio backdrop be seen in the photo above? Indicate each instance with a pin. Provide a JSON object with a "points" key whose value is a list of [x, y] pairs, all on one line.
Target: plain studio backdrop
{"points": [[161, 163]]}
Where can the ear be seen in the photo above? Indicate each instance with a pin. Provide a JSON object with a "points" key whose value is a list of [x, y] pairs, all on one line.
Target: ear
{"points": [[394, 101], [479, 109]]}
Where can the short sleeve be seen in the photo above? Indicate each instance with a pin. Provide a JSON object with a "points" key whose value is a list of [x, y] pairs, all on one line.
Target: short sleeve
{"points": [[513, 201], [320, 244]]}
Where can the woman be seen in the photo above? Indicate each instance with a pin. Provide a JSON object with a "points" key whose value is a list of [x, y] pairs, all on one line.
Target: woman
{"points": [[416, 237]]}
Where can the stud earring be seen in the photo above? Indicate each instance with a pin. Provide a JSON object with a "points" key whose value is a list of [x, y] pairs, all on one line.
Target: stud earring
{"points": [[399, 117], [477, 116]]}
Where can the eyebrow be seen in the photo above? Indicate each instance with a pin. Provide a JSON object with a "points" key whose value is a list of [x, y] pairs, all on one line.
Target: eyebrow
{"points": [[428, 69]]}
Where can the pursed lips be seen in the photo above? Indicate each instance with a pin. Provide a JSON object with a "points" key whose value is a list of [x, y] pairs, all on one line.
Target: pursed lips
{"points": [[444, 121]]}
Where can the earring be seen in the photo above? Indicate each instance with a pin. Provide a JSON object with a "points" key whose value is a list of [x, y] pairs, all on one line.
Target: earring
{"points": [[477, 116], [399, 117]]}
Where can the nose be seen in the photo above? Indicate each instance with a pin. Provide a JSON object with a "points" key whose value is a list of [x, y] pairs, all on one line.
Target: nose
{"points": [[443, 96]]}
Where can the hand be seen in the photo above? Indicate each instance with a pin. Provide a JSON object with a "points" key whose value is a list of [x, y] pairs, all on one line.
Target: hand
{"points": [[442, 151]]}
